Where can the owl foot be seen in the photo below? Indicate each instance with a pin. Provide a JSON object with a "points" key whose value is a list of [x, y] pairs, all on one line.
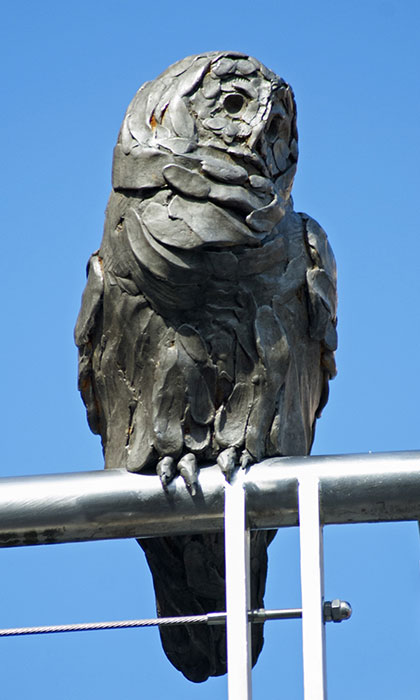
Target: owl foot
{"points": [[165, 469], [187, 467], [227, 461], [246, 459]]}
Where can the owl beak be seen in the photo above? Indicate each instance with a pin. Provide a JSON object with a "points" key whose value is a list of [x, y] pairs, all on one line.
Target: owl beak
{"points": [[260, 136], [256, 135]]}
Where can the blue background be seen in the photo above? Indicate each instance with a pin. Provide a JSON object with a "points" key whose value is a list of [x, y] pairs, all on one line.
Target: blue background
{"points": [[69, 72]]}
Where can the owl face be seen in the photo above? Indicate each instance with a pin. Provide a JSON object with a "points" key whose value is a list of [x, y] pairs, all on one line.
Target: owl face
{"points": [[248, 111], [223, 101]]}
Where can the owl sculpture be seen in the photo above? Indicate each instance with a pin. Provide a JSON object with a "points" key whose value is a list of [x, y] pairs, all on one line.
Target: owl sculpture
{"points": [[208, 324]]}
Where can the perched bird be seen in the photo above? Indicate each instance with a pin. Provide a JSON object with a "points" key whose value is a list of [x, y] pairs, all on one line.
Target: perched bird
{"points": [[208, 324]]}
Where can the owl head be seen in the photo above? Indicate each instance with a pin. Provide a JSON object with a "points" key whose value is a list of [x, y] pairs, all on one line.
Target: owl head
{"points": [[222, 104]]}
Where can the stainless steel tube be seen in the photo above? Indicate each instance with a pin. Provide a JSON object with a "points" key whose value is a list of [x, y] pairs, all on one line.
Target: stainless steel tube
{"points": [[116, 504]]}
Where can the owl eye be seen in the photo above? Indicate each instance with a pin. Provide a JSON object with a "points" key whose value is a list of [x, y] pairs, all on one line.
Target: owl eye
{"points": [[233, 103]]}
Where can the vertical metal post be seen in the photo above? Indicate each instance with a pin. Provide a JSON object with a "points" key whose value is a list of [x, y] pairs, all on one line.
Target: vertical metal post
{"points": [[312, 586], [238, 629]]}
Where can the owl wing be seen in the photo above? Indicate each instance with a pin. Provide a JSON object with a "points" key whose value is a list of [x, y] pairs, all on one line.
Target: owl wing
{"points": [[87, 324], [321, 281]]}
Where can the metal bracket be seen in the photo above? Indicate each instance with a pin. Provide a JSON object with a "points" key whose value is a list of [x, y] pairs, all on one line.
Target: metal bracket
{"points": [[238, 626], [314, 611]]}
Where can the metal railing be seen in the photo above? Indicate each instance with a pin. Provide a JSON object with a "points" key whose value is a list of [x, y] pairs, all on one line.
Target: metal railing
{"points": [[279, 492]]}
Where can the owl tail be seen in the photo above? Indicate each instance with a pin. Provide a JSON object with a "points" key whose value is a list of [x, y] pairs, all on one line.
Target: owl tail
{"points": [[188, 578]]}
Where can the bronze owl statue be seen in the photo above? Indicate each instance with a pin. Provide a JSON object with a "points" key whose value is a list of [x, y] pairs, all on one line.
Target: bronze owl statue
{"points": [[208, 324]]}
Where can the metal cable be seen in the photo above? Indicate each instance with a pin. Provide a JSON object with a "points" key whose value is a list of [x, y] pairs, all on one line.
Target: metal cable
{"points": [[92, 626], [219, 618]]}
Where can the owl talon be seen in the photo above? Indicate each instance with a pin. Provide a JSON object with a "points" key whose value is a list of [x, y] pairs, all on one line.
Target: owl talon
{"points": [[227, 461], [165, 469], [246, 459], [187, 467]]}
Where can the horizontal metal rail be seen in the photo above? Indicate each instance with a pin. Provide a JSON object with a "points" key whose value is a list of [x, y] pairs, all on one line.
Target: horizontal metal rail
{"points": [[116, 504]]}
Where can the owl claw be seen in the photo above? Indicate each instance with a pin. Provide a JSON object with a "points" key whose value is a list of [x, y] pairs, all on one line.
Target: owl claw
{"points": [[227, 461], [165, 469], [246, 459], [187, 467]]}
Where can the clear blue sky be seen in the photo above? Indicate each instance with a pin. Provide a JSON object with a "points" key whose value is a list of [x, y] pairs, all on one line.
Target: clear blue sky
{"points": [[69, 72]]}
